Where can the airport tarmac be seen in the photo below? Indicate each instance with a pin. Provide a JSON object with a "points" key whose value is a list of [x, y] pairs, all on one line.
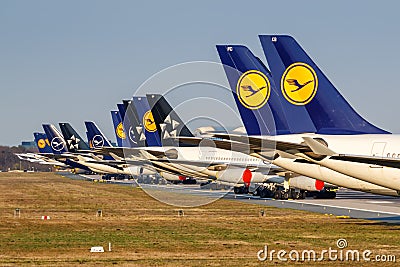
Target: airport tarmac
{"points": [[348, 203]]}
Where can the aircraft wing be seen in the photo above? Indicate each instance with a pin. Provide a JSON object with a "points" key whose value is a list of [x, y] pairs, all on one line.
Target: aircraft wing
{"points": [[321, 149], [233, 145], [373, 160], [259, 143], [216, 165], [127, 152]]}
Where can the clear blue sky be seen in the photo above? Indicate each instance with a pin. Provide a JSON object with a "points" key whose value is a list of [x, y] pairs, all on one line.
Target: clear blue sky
{"points": [[74, 60]]}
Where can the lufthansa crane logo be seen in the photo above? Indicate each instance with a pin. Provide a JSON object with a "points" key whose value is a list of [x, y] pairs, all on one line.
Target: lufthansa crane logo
{"points": [[120, 131], [41, 143], [57, 144], [97, 141], [253, 89], [299, 83], [148, 122]]}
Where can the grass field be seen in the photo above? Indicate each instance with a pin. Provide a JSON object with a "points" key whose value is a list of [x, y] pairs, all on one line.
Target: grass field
{"points": [[145, 232]]}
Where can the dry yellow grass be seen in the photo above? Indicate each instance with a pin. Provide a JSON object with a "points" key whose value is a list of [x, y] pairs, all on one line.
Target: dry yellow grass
{"points": [[145, 232]]}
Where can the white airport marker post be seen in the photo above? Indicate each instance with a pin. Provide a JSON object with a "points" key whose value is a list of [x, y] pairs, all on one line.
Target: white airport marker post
{"points": [[99, 213], [17, 213], [181, 213]]}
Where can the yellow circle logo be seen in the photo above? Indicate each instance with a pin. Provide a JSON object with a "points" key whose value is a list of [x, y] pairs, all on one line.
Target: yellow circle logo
{"points": [[120, 131], [148, 122], [253, 89], [41, 143], [299, 83]]}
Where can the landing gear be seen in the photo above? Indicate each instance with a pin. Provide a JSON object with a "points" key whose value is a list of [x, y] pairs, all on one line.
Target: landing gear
{"points": [[300, 195], [325, 194], [285, 194], [282, 194], [241, 190], [189, 181], [265, 193], [205, 183], [274, 191], [278, 194]]}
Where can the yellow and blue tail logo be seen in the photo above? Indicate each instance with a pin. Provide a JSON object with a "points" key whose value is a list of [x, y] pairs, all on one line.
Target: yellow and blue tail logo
{"points": [[148, 122], [253, 89], [118, 127], [299, 83], [41, 143], [147, 128], [316, 103], [119, 130]]}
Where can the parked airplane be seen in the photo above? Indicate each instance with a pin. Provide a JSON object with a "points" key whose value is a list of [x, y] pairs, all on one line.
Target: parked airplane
{"points": [[60, 151], [44, 148], [304, 109], [82, 155], [203, 159], [196, 162], [357, 148]]}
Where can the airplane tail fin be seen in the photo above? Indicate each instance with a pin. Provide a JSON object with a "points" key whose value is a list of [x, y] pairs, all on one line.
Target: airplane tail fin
{"points": [[147, 126], [74, 140], [95, 136], [303, 84], [119, 131], [256, 96], [42, 143], [169, 124], [57, 142], [129, 120]]}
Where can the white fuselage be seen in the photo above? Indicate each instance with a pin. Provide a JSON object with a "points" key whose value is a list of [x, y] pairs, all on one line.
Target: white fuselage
{"points": [[211, 154], [376, 145], [35, 158], [382, 145], [194, 162]]}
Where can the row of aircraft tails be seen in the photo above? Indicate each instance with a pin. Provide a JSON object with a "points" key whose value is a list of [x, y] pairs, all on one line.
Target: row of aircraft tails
{"points": [[301, 136]]}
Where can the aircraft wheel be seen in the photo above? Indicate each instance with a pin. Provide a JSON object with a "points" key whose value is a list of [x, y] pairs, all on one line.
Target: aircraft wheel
{"points": [[238, 190], [332, 194], [257, 192], [245, 190], [264, 193], [292, 194], [300, 195], [277, 194]]}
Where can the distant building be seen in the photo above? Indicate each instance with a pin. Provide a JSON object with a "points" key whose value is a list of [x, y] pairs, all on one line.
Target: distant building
{"points": [[28, 145]]}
